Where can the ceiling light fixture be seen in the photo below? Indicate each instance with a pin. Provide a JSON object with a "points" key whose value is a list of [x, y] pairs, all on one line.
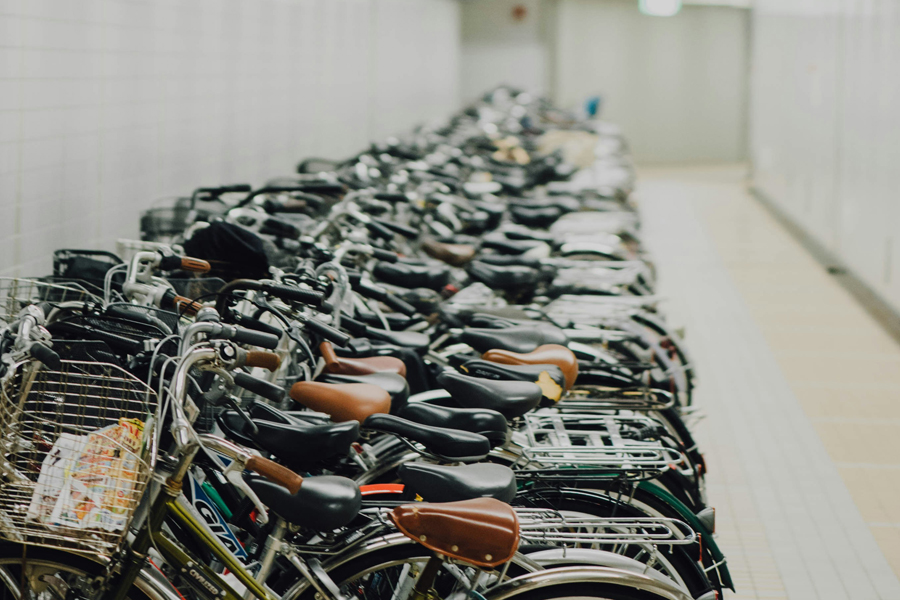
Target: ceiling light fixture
{"points": [[660, 8]]}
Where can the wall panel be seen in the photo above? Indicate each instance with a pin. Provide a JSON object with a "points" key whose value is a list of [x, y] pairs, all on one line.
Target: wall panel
{"points": [[824, 126], [106, 105]]}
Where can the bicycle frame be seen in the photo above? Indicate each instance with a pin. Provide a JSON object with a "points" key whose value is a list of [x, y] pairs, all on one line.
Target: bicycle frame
{"points": [[170, 504]]}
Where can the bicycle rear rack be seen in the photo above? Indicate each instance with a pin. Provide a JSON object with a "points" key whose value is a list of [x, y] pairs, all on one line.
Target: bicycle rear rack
{"points": [[540, 526], [562, 446]]}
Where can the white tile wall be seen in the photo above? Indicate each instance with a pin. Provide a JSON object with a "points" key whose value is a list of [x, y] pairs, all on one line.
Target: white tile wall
{"points": [[106, 105], [825, 129]]}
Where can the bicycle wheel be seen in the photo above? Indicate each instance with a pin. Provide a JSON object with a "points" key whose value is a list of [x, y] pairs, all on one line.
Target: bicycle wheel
{"points": [[47, 574], [577, 591], [390, 572]]}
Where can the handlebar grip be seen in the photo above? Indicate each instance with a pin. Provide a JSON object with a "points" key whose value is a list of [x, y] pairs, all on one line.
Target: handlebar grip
{"points": [[260, 387], [254, 324], [385, 255], [46, 355], [326, 331], [404, 230], [379, 230], [286, 292], [194, 265], [185, 305], [399, 304], [255, 338], [291, 205], [357, 328], [185, 263], [275, 473], [237, 187], [265, 360], [392, 196], [279, 228]]}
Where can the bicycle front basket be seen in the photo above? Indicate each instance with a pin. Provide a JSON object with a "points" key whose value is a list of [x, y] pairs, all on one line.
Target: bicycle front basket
{"points": [[74, 454], [16, 293]]}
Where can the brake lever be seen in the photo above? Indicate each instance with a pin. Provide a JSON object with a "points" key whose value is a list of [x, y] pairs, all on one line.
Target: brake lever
{"points": [[234, 474], [232, 402]]}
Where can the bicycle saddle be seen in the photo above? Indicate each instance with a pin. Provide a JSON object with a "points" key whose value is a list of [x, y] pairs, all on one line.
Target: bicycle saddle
{"points": [[488, 423], [393, 384], [501, 243], [322, 503], [510, 398], [503, 277], [547, 354], [451, 445], [405, 339], [341, 365], [299, 444], [493, 370], [539, 217], [452, 254], [521, 338], [439, 483], [483, 531], [342, 401], [410, 275]]}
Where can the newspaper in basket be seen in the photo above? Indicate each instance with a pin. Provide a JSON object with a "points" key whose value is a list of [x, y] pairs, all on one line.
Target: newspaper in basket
{"points": [[74, 454]]}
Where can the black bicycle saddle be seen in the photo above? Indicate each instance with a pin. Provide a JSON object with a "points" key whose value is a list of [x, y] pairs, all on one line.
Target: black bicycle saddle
{"points": [[510, 398], [489, 423], [393, 384], [439, 483], [503, 277], [451, 445], [299, 444], [433, 276], [491, 370], [521, 339], [322, 503]]}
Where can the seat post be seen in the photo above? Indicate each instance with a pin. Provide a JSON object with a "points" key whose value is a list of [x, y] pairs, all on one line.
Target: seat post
{"points": [[425, 582], [271, 549]]}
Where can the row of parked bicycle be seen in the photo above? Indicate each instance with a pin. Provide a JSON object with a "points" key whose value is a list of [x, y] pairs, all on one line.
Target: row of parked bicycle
{"points": [[435, 370]]}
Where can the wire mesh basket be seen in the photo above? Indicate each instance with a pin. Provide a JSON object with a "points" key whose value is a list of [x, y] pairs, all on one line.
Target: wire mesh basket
{"points": [[16, 293], [74, 454]]}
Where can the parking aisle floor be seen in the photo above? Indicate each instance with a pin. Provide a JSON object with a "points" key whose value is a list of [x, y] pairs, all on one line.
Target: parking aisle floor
{"points": [[799, 386]]}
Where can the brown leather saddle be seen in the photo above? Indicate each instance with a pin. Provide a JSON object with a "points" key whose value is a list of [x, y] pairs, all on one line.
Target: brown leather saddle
{"points": [[342, 401], [452, 254], [340, 365], [548, 354], [483, 532]]}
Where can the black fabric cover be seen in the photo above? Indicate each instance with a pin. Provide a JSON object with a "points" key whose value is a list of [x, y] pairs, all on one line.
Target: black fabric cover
{"points": [[233, 251]]}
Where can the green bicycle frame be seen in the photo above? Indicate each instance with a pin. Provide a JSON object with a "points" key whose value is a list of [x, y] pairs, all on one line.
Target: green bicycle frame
{"points": [[199, 576]]}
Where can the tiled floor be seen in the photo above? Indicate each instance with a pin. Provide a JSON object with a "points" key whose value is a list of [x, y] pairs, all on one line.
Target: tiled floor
{"points": [[800, 388]]}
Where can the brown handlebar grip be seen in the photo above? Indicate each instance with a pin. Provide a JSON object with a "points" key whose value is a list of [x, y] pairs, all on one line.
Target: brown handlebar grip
{"points": [[186, 305], [293, 205], [194, 265], [266, 360], [327, 352], [275, 473]]}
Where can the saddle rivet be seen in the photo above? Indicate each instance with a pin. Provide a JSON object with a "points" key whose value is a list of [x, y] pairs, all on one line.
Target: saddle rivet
{"points": [[422, 538], [454, 548], [488, 557]]}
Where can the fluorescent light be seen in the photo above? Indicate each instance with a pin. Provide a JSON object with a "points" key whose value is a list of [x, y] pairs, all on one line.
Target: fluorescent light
{"points": [[660, 8]]}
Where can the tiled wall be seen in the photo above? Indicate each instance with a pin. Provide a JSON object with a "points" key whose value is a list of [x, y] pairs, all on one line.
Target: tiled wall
{"points": [[825, 129], [107, 105]]}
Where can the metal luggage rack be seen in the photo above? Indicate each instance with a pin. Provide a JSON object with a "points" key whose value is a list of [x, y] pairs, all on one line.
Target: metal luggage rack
{"points": [[16, 293], [541, 526], [598, 398], [561, 446]]}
